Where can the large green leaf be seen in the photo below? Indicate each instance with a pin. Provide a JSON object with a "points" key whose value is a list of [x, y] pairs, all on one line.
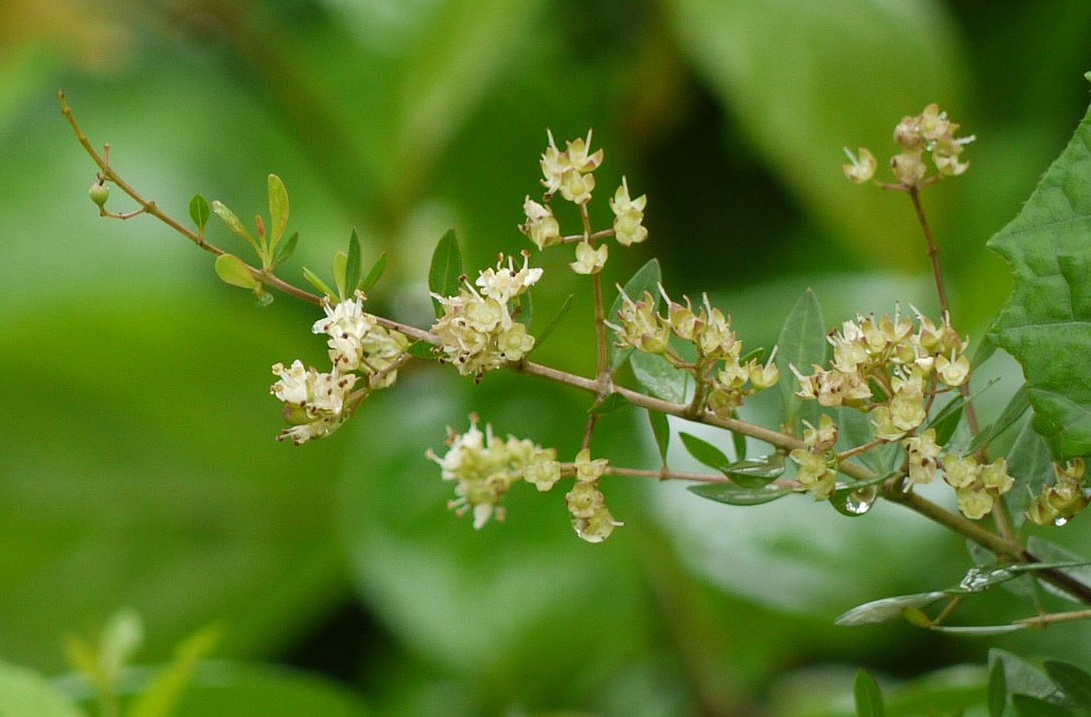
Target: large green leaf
{"points": [[1046, 324]]}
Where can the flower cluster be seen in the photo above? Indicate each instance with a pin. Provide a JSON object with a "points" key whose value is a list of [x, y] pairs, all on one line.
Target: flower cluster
{"points": [[571, 173], [485, 468], [817, 464], [929, 132], [1061, 501], [478, 331], [892, 368], [590, 517], [892, 355], [719, 363], [977, 486], [360, 349]]}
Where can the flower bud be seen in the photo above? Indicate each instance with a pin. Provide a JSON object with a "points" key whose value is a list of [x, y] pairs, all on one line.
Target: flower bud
{"points": [[99, 193], [860, 169]]}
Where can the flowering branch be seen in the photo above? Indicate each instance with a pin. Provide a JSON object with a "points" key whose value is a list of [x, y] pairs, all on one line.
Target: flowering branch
{"points": [[889, 368]]}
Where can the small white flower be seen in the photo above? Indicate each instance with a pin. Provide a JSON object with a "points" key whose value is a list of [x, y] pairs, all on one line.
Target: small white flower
{"points": [[589, 260]]}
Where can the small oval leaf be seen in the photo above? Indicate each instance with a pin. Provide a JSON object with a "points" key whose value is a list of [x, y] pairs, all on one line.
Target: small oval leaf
{"points": [[756, 472], [658, 377], [375, 273], [353, 266], [233, 223], [868, 696], [278, 209], [200, 212], [1028, 706], [1074, 682], [661, 430], [705, 453], [316, 281], [732, 494], [802, 344], [876, 611], [445, 271], [997, 694], [340, 272], [285, 251], [234, 271]]}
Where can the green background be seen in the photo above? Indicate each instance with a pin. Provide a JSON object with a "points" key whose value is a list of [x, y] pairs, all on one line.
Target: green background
{"points": [[137, 466]]}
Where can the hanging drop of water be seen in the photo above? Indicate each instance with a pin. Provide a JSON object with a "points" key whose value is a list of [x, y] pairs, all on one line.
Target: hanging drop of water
{"points": [[860, 502], [1060, 521]]}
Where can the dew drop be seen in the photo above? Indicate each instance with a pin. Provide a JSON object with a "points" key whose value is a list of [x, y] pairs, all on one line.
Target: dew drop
{"points": [[1060, 521], [860, 502]]}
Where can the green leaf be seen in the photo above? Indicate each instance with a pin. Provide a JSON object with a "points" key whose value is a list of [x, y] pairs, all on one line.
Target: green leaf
{"points": [[278, 210], [705, 453], [738, 495], [316, 281], [756, 472], [980, 630], [646, 279], [161, 696], [1028, 706], [354, 266], [1023, 678], [1016, 407], [738, 441], [868, 696], [946, 421], [234, 271], [609, 404], [234, 224], [445, 271], [554, 321], [1048, 552], [200, 212], [997, 693], [340, 273], [24, 693], [658, 376], [886, 609], [1030, 463], [661, 431], [802, 343], [856, 430], [375, 273], [286, 249], [1046, 324], [1074, 682]]}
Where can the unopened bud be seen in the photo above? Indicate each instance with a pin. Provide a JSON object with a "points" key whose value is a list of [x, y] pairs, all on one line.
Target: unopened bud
{"points": [[99, 193]]}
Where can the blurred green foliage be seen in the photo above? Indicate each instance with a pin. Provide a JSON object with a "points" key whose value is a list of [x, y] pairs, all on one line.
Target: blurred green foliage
{"points": [[137, 466]]}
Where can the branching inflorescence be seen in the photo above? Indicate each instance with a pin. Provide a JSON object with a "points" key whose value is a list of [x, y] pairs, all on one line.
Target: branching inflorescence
{"points": [[905, 377]]}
